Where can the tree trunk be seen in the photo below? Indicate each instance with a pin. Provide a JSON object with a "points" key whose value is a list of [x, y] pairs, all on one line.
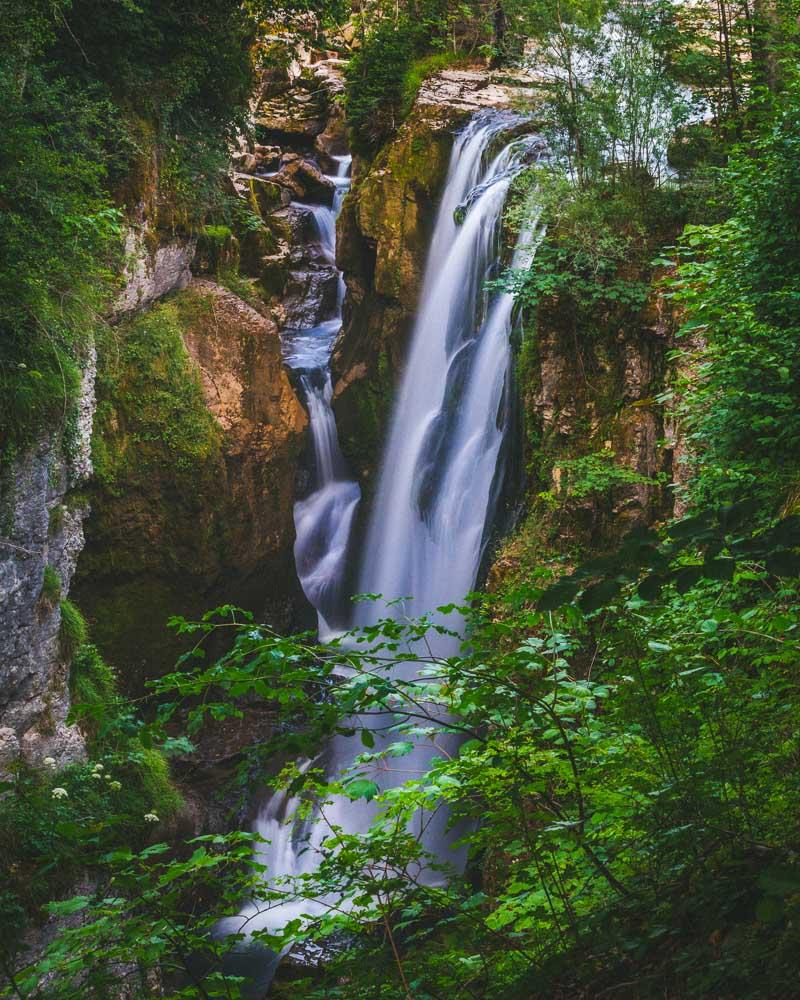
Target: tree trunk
{"points": [[499, 26]]}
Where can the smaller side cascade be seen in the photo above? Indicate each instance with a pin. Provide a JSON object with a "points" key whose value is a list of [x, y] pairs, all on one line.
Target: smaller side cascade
{"points": [[324, 516]]}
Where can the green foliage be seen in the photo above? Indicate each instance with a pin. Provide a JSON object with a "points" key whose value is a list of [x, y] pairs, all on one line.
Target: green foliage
{"points": [[59, 237], [607, 99], [56, 825], [152, 772], [626, 777], [738, 284], [51, 586], [618, 750], [144, 907], [375, 94], [93, 94], [73, 631], [93, 690], [246, 289], [217, 235], [594, 475], [594, 259], [399, 50]]}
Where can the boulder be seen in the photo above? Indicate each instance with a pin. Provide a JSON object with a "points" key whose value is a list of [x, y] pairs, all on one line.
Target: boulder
{"points": [[64, 744], [306, 181]]}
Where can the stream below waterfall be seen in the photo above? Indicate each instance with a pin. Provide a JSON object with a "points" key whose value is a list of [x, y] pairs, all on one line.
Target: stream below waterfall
{"points": [[441, 476]]}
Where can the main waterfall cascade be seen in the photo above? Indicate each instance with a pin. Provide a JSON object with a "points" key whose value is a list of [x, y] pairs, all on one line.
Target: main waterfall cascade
{"points": [[441, 473], [441, 470]]}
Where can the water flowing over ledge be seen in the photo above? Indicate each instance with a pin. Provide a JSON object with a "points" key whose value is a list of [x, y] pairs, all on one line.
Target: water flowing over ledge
{"points": [[324, 517], [439, 484]]}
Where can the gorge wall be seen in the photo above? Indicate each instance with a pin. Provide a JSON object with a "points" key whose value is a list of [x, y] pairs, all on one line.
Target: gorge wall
{"points": [[171, 487], [586, 387]]}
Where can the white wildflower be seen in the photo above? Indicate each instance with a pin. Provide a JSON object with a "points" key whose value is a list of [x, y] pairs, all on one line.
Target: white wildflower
{"points": [[60, 793], [151, 818], [115, 786], [49, 762], [98, 767]]}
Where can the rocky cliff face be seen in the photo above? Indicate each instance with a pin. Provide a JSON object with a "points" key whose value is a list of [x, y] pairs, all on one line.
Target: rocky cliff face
{"points": [[43, 511], [197, 438], [199, 432], [589, 393]]}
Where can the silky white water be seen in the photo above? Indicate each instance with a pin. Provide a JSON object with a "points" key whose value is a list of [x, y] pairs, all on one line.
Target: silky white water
{"points": [[441, 475], [324, 517]]}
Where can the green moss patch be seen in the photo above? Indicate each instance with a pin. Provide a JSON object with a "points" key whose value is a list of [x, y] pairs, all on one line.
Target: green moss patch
{"points": [[73, 631], [151, 412]]}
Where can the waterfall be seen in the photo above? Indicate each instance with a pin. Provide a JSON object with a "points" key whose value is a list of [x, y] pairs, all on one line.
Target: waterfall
{"points": [[439, 481], [323, 518], [441, 469]]}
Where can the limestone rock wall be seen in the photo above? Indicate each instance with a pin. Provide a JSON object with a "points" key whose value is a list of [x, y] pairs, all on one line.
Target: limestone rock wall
{"points": [[41, 537]]}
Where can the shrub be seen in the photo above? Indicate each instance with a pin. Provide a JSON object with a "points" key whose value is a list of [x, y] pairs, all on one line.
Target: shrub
{"points": [[375, 94], [73, 631], [51, 587], [153, 773], [93, 689]]}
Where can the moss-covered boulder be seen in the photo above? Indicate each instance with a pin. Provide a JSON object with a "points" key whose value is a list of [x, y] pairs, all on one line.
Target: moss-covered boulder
{"points": [[195, 447]]}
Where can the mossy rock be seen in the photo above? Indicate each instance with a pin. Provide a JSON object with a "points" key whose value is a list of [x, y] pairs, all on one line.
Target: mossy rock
{"points": [[396, 205], [263, 196], [254, 246], [217, 250], [195, 445]]}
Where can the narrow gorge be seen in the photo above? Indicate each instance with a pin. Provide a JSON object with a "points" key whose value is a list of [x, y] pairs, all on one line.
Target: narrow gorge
{"points": [[399, 525]]}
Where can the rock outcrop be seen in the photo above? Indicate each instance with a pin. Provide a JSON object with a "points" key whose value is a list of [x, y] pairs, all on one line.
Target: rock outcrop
{"points": [[150, 274], [194, 504], [43, 511]]}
